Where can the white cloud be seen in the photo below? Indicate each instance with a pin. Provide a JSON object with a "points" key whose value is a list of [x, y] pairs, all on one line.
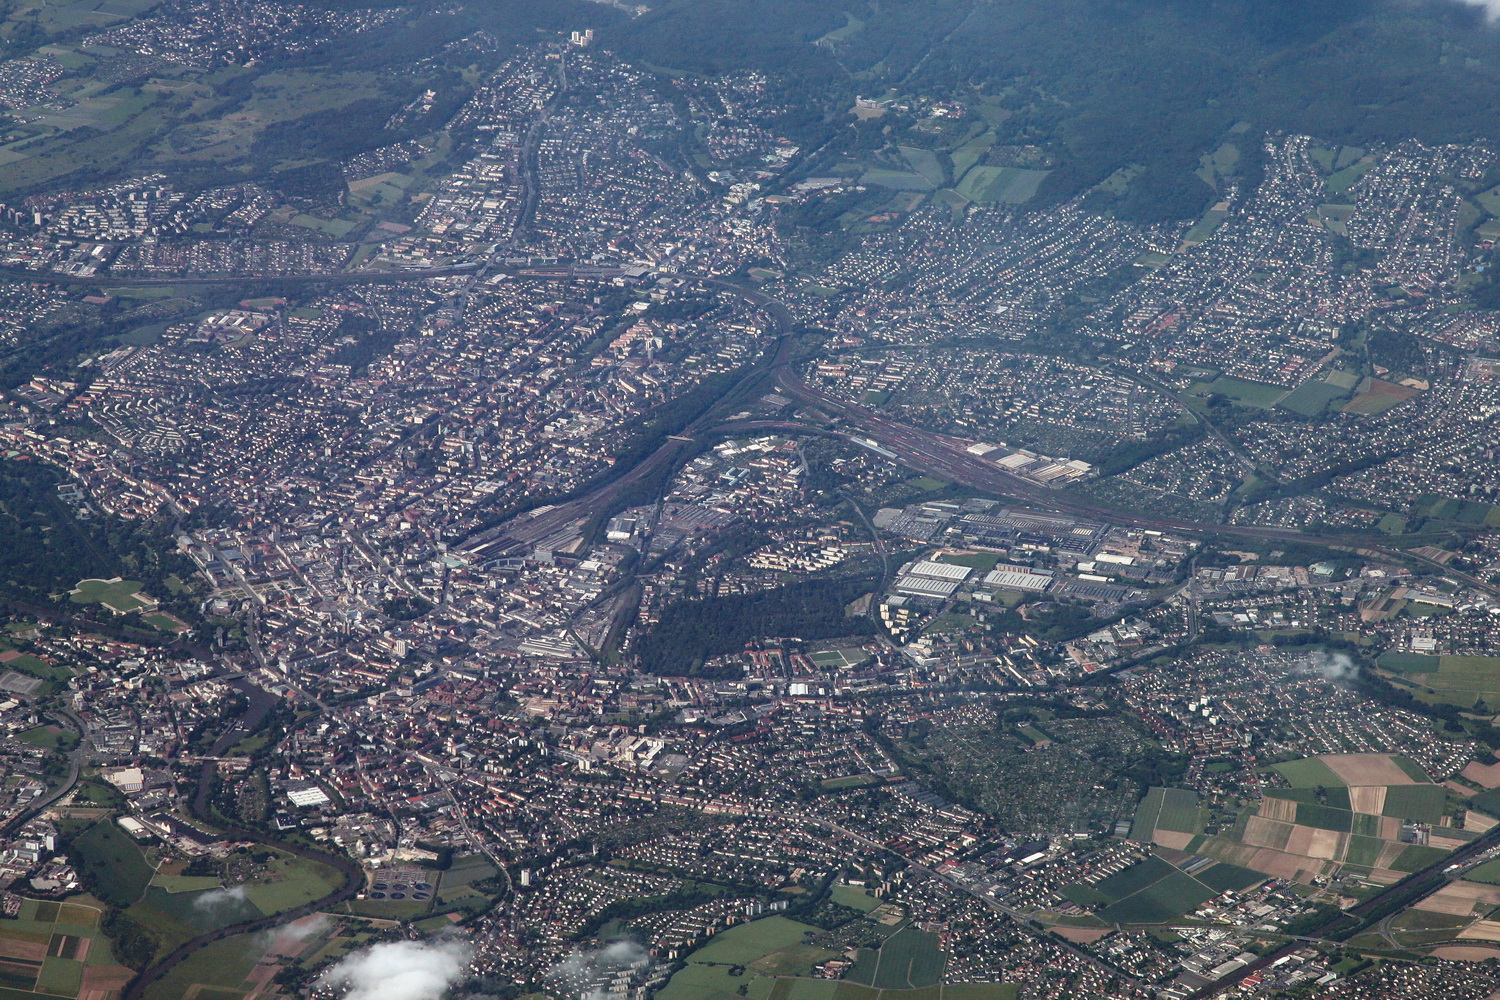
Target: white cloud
{"points": [[400, 970], [1491, 7], [217, 899]]}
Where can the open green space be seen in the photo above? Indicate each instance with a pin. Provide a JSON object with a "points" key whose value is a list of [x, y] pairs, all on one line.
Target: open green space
{"points": [[1225, 877], [1459, 680], [1171, 897], [222, 966], [982, 561], [1324, 817], [1144, 873], [1010, 185], [1308, 773], [1418, 803], [1346, 178], [1261, 395], [1311, 398], [926, 163], [1488, 873], [909, 959], [899, 180], [35, 666], [1174, 809], [855, 898], [1416, 857], [744, 943], [1337, 798], [119, 595], [111, 864], [1468, 512], [1205, 227]]}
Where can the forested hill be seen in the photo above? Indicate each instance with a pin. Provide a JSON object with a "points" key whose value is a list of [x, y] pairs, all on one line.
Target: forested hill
{"points": [[1108, 83]]}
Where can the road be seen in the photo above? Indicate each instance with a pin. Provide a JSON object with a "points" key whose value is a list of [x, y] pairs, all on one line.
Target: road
{"points": [[992, 904], [1416, 886], [939, 455]]}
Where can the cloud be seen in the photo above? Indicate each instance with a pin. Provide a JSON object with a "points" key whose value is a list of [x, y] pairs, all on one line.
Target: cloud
{"points": [[400, 970], [1491, 8], [221, 899], [1336, 667], [306, 928]]}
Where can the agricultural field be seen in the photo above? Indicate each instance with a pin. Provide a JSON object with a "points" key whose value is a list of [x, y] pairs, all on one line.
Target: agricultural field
{"points": [[1375, 396], [1312, 398], [772, 959], [219, 970], [909, 959], [1343, 810], [1487, 873], [1154, 890], [1011, 185], [57, 949], [1171, 809], [1459, 680]]}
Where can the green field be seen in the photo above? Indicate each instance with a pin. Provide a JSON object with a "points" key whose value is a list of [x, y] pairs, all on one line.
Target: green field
{"points": [[982, 561], [926, 163], [1171, 897], [909, 959], [112, 863], [1011, 185], [1324, 817], [222, 966], [118, 595], [1345, 178], [744, 943], [1174, 809], [1224, 877], [1311, 398], [1135, 878], [1337, 798], [900, 180], [1488, 873], [1261, 395], [69, 936], [1416, 857], [1363, 851], [855, 898], [1309, 773], [35, 666], [1460, 680], [849, 781], [1205, 227], [1462, 511], [1420, 803]]}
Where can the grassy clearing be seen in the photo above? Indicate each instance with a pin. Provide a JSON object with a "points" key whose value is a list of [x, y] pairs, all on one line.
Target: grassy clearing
{"points": [[1311, 398], [118, 595], [1261, 395], [1346, 178], [1487, 873], [1309, 773], [744, 943], [221, 966], [112, 863], [1011, 185]]}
